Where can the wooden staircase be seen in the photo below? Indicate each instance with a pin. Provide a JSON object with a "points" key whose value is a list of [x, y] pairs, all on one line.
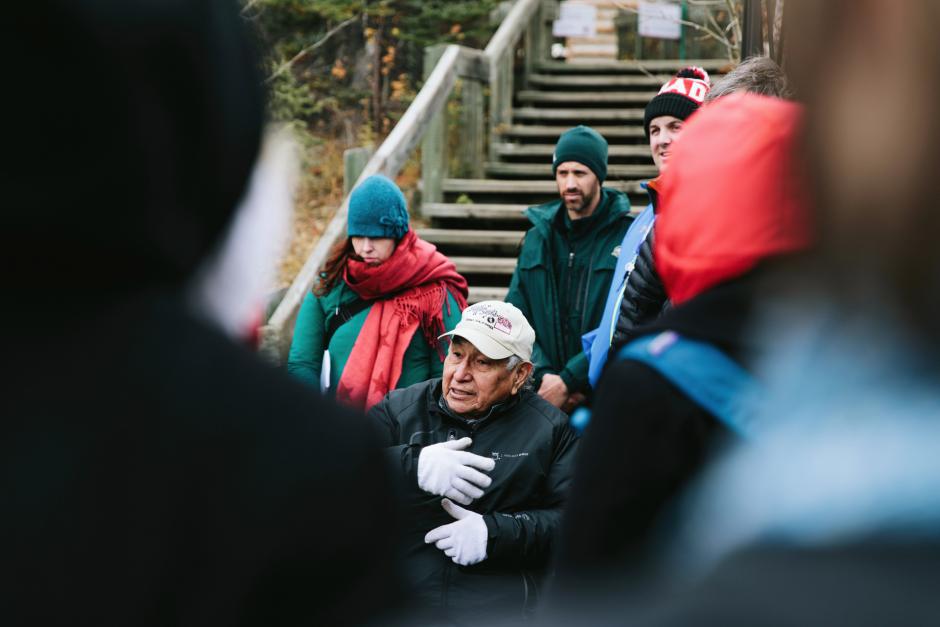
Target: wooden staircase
{"points": [[480, 223]]}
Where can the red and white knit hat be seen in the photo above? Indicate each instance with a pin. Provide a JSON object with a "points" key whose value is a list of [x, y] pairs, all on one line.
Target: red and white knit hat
{"points": [[680, 97]]}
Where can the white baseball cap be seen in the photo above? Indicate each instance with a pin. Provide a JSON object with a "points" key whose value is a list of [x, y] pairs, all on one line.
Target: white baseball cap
{"points": [[497, 329]]}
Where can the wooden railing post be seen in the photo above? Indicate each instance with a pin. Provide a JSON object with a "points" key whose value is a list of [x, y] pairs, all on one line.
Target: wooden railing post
{"points": [[536, 42], [472, 129], [434, 143], [354, 162], [500, 97]]}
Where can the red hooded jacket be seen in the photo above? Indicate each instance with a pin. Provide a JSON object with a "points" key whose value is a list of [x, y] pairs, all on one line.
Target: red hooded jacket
{"points": [[731, 195]]}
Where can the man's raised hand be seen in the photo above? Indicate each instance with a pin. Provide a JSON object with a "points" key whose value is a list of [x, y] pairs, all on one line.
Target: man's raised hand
{"points": [[447, 470]]}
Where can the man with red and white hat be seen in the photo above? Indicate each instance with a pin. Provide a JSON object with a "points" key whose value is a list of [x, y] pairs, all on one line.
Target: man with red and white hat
{"points": [[636, 293], [733, 214], [678, 98]]}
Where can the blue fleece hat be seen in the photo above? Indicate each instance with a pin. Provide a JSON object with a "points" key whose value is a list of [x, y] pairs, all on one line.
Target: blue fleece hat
{"points": [[377, 209]]}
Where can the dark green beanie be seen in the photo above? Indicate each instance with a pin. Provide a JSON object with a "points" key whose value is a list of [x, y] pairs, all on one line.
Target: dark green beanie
{"points": [[584, 145], [377, 209]]}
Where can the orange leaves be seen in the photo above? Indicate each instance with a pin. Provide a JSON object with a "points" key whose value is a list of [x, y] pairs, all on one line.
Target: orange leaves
{"points": [[338, 71], [388, 60]]}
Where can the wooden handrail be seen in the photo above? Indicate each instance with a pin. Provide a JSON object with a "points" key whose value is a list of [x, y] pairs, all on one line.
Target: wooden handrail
{"points": [[387, 160], [393, 153], [511, 28]]}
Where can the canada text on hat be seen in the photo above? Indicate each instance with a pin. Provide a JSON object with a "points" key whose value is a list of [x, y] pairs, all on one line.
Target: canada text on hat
{"points": [[692, 88], [496, 329], [680, 97]]}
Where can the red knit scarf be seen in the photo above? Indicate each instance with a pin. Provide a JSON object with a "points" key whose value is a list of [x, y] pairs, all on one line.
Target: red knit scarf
{"points": [[412, 284]]}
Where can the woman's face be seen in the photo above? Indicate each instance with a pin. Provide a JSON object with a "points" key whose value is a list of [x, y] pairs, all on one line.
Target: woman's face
{"points": [[373, 250]]}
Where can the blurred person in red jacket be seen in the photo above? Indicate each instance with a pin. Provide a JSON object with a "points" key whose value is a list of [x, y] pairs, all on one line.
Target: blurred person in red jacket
{"points": [[830, 517], [732, 208]]}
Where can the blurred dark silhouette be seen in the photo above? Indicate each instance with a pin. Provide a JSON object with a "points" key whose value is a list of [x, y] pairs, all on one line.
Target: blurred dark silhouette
{"points": [[832, 516], [154, 471]]}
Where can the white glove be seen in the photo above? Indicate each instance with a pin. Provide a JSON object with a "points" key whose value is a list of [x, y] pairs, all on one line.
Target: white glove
{"points": [[463, 541], [446, 470]]}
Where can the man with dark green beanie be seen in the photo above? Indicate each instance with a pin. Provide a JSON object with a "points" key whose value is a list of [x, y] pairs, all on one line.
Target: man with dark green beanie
{"points": [[567, 262]]}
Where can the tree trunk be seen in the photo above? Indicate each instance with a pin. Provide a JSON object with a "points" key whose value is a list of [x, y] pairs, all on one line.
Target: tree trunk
{"points": [[378, 112], [777, 51]]}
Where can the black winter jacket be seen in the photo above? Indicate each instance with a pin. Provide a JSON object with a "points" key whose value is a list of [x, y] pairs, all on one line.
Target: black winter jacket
{"points": [[644, 296], [534, 452], [160, 475], [646, 439]]}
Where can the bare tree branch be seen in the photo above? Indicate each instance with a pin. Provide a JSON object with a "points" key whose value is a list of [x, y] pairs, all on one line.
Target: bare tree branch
{"points": [[694, 25], [731, 46], [300, 55], [735, 20], [718, 36]]}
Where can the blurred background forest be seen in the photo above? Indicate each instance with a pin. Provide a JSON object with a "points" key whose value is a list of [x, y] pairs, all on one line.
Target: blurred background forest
{"points": [[342, 72]]}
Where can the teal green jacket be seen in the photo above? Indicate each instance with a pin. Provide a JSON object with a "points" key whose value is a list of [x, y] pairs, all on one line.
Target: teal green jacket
{"points": [[561, 281], [420, 362]]}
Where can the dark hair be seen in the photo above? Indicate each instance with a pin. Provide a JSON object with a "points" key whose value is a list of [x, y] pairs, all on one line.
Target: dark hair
{"points": [[333, 267], [755, 75]]}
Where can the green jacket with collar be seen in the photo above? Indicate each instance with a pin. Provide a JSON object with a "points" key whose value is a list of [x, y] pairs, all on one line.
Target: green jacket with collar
{"points": [[419, 363], [562, 278]]}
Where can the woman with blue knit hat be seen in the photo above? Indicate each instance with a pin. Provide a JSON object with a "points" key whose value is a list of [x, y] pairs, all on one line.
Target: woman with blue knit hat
{"points": [[383, 298]]}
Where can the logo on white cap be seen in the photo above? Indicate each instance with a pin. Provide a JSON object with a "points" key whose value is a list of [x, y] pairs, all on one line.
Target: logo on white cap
{"points": [[486, 314], [498, 329]]}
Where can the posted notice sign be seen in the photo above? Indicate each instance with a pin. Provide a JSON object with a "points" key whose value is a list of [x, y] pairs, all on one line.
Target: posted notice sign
{"points": [[575, 20], [660, 20]]}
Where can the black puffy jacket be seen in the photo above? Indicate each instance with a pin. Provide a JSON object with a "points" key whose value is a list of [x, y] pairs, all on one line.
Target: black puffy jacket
{"points": [[644, 296], [534, 452], [646, 441]]}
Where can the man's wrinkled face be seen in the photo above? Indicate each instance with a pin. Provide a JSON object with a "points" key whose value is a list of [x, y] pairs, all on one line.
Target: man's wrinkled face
{"points": [[473, 383], [663, 131], [578, 187]]}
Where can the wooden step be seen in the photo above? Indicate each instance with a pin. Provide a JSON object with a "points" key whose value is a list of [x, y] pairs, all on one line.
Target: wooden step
{"points": [[545, 151], [471, 237], [594, 51], [474, 210], [599, 38], [614, 171], [462, 210], [577, 116], [547, 186], [486, 293], [485, 265], [555, 81], [667, 66], [544, 130], [603, 27], [586, 97]]}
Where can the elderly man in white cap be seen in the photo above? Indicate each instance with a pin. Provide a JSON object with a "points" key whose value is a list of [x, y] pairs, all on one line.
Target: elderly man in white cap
{"points": [[486, 464]]}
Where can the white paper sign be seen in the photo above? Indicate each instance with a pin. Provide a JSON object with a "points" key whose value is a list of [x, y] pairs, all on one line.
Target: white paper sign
{"points": [[660, 20], [575, 20]]}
